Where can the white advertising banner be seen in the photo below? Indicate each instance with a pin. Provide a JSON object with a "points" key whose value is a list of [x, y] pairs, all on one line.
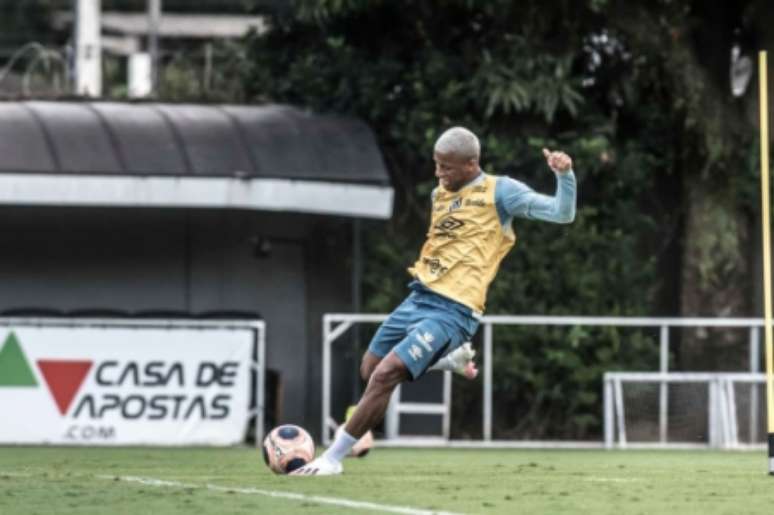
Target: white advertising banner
{"points": [[124, 385]]}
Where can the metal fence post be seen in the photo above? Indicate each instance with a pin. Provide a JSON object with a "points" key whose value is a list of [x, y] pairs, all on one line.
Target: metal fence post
{"points": [[260, 387], [618, 390], [733, 426], [755, 367], [392, 417], [447, 397], [609, 416], [713, 422], [663, 401], [326, 380], [488, 381]]}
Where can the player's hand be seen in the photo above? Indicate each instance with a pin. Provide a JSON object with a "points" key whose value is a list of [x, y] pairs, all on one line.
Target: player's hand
{"points": [[558, 161]]}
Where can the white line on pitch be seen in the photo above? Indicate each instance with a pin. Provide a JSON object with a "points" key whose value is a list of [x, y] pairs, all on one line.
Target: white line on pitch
{"points": [[597, 479], [149, 481], [15, 474]]}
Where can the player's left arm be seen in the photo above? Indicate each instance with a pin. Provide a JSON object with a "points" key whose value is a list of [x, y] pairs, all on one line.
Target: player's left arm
{"points": [[516, 199]]}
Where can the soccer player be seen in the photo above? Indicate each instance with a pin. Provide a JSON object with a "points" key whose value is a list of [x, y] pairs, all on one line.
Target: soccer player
{"points": [[470, 233]]}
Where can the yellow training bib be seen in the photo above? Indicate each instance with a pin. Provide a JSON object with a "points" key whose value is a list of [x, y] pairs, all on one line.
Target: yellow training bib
{"points": [[465, 244]]}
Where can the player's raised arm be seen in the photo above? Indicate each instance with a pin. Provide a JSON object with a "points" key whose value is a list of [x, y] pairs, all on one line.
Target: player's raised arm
{"points": [[516, 199]]}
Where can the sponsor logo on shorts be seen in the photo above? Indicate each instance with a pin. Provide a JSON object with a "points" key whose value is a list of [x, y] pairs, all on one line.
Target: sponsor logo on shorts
{"points": [[426, 339], [415, 352]]}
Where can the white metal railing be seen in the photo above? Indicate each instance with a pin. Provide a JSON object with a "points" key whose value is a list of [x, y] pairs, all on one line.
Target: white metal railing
{"points": [[722, 423], [336, 324], [398, 407]]}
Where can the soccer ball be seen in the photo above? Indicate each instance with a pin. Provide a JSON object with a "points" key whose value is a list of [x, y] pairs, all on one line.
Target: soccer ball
{"points": [[287, 448]]}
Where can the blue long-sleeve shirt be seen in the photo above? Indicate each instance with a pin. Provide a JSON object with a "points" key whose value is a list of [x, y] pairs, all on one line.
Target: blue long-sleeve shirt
{"points": [[515, 199]]}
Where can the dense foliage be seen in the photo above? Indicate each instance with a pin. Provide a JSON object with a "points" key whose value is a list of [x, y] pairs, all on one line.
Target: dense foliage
{"points": [[611, 85]]}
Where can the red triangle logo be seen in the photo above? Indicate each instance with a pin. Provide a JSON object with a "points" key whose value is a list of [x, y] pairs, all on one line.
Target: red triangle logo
{"points": [[64, 378]]}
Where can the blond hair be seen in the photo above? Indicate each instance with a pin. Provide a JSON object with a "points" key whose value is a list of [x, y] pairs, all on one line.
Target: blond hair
{"points": [[458, 141]]}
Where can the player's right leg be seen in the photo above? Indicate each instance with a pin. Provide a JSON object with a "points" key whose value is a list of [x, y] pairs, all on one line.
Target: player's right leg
{"points": [[390, 333], [368, 365]]}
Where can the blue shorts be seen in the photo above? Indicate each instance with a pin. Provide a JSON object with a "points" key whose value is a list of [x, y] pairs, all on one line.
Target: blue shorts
{"points": [[424, 328]]}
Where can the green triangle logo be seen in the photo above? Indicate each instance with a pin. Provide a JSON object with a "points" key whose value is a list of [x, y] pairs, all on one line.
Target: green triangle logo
{"points": [[14, 368]]}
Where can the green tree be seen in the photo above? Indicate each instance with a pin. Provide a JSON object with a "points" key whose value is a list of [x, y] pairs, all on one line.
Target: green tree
{"points": [[618, 86]]}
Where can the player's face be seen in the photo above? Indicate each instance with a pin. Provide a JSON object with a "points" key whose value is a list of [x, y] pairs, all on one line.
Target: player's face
{"points": [[454, 171]]}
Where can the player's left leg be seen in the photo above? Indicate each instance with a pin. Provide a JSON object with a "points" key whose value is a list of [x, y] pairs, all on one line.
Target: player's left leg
{"points": [[431, 333], [389, 334], [390, 372], [460, 361]]}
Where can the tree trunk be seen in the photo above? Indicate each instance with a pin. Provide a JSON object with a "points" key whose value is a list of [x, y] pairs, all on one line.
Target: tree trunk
{"points": [[715, 280]]}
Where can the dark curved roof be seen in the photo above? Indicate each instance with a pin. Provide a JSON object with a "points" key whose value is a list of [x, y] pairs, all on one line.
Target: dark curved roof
{"points": [[110, 138]]}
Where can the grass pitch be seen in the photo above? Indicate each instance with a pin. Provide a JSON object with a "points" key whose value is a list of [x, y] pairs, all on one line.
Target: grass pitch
{"points": [[202, 480]]}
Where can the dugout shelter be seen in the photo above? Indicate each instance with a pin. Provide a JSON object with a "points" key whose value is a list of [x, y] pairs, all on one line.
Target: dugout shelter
{"points": [[149, 209]]}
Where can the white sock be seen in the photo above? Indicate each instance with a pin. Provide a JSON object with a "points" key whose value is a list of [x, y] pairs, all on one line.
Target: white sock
{"points": [[340, 447], [445, 363]]}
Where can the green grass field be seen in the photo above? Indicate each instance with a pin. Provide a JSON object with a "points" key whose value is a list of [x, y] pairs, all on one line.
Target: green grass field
{"points": [[89, 480]]}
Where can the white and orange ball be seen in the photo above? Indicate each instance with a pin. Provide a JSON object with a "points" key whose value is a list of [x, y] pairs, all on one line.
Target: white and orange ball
{"points": [[287, 448]]}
